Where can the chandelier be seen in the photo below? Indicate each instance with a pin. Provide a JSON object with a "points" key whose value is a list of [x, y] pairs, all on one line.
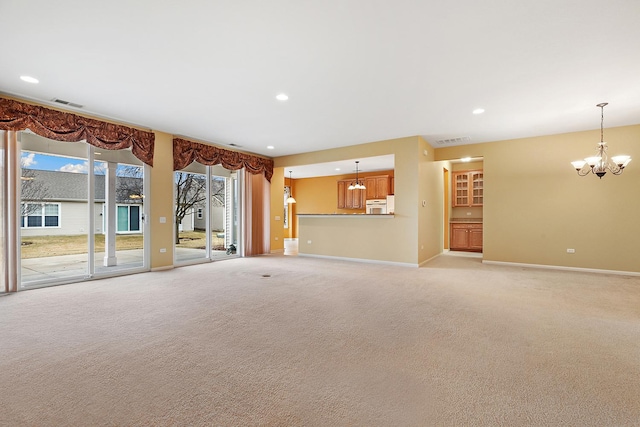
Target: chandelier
{"points": [[290, 199], [357, 185], [600, 163]]}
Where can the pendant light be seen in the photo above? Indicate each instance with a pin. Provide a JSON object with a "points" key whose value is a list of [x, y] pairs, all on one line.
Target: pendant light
{"points": [[357, 185], [290, 199]]}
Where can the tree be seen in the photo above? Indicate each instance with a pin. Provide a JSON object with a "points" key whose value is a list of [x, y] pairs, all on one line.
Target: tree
{"points": [[190, 192], [130, 183]]}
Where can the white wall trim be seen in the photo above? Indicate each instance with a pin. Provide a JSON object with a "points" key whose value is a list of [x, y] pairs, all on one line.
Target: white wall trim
{"points": [[432, 258], [163, 268], [560, 267], [368, 261]]}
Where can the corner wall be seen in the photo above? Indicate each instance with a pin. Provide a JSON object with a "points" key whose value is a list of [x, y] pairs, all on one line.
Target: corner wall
{"points": [[536, 206]]}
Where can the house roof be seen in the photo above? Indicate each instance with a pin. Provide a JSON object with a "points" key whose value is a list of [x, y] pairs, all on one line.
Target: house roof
{"points": [[355, 71], [69, 186]]}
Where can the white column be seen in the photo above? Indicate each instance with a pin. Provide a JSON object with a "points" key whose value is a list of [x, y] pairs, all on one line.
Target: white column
{"points": [[110, 213]]}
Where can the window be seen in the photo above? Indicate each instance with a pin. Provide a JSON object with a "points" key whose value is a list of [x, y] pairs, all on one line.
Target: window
{"points": [[37, 215], [128, 218]]}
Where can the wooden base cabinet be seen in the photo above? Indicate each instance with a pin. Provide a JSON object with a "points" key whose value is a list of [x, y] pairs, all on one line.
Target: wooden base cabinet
{"points": [[466, 237]]}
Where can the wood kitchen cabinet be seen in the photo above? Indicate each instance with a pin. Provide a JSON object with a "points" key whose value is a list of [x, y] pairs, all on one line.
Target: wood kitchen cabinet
{"points": [[466, 237], [468, 188], [350, 199], [377, 187]]}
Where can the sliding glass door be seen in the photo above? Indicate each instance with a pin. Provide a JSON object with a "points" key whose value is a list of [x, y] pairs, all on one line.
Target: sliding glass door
{"points": [[81, 211], [206, 204]]}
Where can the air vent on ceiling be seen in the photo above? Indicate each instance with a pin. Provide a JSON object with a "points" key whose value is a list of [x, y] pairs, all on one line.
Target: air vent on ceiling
{"points": [[457, 140], [70, 104]]}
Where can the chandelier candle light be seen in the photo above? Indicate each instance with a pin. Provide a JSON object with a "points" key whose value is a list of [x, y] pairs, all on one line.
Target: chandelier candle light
{"points": [[600, 163], [357, 185]]}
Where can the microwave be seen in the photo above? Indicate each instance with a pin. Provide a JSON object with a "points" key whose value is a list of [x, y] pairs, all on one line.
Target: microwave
{"points": [[376, 206]]}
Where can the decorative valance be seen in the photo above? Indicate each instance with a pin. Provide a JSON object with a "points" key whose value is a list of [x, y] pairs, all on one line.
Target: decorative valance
{"points": [[186, 152], [68, 127]]}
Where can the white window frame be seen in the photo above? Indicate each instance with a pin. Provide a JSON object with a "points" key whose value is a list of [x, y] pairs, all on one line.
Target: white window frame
{"points": [[140, 219], [24, 220]]}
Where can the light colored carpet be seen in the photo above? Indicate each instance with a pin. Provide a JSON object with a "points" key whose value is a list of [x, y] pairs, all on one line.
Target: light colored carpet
{"points": [[325, 343]]}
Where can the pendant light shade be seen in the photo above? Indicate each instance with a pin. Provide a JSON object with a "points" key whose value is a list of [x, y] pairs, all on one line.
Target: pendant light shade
{"points": [[290, 199], [357, 185]]}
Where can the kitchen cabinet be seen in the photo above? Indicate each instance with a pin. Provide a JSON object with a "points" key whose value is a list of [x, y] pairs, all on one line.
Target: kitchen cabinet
{"points": [[350, 199], [377, 187], [466, 237], [468, 188]]}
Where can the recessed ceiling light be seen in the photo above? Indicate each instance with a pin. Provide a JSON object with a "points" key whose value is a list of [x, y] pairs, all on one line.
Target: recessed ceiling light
{"points": [[29, 79], [282, 97], [478, 111], [337, 169], [270, 147]]}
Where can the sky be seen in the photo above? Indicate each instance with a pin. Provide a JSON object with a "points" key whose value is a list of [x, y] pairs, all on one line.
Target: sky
{"points": [[30, 160]]}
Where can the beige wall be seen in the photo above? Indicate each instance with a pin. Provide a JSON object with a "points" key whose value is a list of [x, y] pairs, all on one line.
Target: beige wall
{"points": [[536, 206], [429, 203], [162, 202], [277, 210], [397, 239]]}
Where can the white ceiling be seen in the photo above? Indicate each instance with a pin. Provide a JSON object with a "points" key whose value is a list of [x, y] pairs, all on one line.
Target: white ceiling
{"points": [[355, 71]]}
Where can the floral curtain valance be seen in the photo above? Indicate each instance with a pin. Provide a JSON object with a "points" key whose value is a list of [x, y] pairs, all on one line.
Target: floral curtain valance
{"points": [[68, 127], [185, 152]]}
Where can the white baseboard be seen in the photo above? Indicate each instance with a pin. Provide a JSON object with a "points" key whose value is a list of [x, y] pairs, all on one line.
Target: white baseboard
{"points": [[166, 267], [368, 261], [426, 261], [560, 267]]}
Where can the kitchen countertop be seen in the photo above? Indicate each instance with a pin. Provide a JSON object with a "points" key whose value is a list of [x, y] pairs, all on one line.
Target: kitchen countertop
{"points": [[465, 220], [353, 215]]}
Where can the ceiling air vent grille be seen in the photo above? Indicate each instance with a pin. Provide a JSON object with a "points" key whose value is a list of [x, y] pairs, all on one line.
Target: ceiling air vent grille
{"points": [[457, 140], [67, 103]]}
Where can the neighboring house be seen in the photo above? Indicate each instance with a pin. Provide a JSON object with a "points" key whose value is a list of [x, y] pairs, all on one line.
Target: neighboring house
{"points": [[217, 216], [55, 203]]}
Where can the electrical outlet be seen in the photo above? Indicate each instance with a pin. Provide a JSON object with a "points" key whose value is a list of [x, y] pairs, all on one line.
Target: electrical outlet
{"points": [[571, 251], [308, 242]]}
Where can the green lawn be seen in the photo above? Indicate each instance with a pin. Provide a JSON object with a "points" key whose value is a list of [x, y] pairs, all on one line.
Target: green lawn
{"points": [[45, 246]]}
